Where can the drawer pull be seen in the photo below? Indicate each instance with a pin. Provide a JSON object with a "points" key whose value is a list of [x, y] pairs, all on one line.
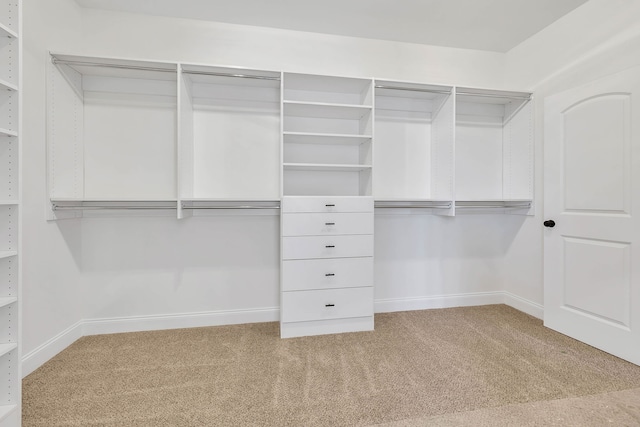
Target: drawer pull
{"points": [[329, 223], [330, 274], [329, 305], [330, 205], [330, 246]]}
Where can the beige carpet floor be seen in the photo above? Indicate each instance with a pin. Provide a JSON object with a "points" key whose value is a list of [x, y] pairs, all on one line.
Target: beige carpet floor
{"points": [[444, 367]]}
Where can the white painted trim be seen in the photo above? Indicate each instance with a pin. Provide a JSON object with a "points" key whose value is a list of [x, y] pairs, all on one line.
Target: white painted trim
{"points": [[178, 321], [438, 301], [41, 354], [460, 300], [524, 305]]}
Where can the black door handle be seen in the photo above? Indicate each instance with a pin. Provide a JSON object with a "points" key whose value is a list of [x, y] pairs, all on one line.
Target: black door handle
{"points": [[549, 223]]}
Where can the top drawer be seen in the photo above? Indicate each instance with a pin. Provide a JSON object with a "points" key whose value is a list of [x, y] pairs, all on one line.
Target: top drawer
{"points": [[327, 204]]}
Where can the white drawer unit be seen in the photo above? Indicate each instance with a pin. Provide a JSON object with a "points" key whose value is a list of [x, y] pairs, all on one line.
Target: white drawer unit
{"points": [[308, 247], [327, 204], [306, 306], [326, 224], [327, 273]]}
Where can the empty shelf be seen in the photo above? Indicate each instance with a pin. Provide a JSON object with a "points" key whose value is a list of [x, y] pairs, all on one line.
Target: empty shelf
{"points": [[6, 348], [7, 132], [7, 32], [4, 84], [325, 110], [8, 254], [6, 410], [5, 301], [325, 138], [324, 167]]}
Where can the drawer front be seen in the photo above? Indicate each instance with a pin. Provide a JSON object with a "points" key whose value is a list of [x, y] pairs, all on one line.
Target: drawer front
{"points": [[327, 273], [327, 204], [304, 306], [326, 224], [309, 247]]}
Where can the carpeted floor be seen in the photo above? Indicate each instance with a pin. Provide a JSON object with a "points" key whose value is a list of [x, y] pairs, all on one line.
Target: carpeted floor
{"points": [[431, 367]]}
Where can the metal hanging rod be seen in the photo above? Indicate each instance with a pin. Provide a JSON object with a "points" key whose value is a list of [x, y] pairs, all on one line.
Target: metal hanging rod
{"points": [[447, 92], [411, 206], [490, 204], [119, 66], [492, 95], [105, 207], [231, 207], [242, 76]]}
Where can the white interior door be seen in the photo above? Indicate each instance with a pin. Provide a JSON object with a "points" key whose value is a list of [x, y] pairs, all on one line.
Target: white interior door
{"points": [[592, 193]]}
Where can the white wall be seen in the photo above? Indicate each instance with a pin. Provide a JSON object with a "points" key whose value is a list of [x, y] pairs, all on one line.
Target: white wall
{"points": [[598, 38], [51, 302]]}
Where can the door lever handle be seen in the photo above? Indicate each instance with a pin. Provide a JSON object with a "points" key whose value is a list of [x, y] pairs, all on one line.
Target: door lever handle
{"points": [[549, 223]]}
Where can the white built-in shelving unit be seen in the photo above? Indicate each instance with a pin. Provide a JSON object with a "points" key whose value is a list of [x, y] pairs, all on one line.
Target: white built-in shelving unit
{"points": [[141, 135], [327, 205], [327, 125], [127, 135], [10, 198]]}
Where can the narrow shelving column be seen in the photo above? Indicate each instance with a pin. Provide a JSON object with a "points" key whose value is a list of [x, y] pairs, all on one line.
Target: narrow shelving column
{"points": [[414, 147], [10, 139], [494, 150], [327, 205]]}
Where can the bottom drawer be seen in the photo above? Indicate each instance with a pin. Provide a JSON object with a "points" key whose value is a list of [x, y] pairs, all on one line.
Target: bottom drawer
{"points": [[303, 306]]}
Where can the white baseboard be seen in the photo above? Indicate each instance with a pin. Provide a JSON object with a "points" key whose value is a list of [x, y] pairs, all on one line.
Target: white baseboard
{"points": [[524, 305], [178, 321], [438, 301], [460, 300], [37, 357]]}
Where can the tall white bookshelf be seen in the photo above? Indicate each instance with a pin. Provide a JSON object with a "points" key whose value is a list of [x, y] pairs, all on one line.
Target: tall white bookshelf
{"points": [[10, 84]]}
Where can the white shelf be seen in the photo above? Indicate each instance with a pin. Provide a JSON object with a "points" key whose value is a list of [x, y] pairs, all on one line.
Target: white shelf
{"points": [[6, 348], [6, 410], [8, 86], [5, 301], [7, 132], [7, 254], [324, 167], [7, 32], [8, 202], [488, 96], [413, 203], [321, 110], [325, 138]]}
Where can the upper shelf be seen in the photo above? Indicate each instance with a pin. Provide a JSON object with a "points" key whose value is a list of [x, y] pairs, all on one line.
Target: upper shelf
{"points": [[488, 96], [410, 90], [325, 138], [231, 76], [325, 110], [124, 68], [324, 167]]}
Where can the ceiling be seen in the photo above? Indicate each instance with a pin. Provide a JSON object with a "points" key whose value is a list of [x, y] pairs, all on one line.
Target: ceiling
{"points": [[495, 25]]}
